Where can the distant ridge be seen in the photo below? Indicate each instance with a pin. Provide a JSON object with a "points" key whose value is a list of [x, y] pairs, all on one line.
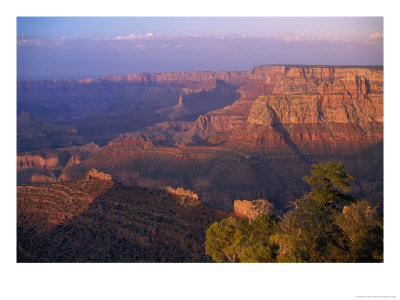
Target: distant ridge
{"points": [[108, 77]]}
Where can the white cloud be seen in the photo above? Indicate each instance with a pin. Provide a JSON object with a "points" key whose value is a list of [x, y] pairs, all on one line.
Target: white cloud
{"points": [[374, 39], [133, 36], [29, 42], [152, 40], [376, 35]]}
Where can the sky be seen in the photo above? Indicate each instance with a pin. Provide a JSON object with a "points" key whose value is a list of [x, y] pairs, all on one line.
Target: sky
{"points": [[79, 47]]}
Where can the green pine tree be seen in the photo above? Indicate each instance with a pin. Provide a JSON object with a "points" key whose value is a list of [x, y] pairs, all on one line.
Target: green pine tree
{"points": [[330, 186]]}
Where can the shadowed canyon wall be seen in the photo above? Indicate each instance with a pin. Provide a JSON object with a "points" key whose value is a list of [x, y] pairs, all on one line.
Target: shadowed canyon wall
{"points": [[95, 219]]}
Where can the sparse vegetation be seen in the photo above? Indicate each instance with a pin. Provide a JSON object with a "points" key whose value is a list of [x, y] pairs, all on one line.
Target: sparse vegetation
{"points": [[117, 224], [66, 222], [326, 225]]}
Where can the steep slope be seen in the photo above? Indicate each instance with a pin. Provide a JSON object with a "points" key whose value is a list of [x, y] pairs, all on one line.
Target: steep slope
{"points": [[95, 219], [214, 95], [337, 110], [215, 126], [268, 80]]}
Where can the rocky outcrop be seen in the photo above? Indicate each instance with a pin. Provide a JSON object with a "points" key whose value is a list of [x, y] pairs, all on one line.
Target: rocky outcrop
{"points": [[95, 174], [208, 124], [261, 81], [45, 159], [209, 127], [137, 137], [42, 178], [38, 162], [184, 197], [74, 160], [132, 141]]}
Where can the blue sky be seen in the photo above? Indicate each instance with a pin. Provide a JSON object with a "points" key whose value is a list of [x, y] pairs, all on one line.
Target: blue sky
{"points": [[79, 47]]}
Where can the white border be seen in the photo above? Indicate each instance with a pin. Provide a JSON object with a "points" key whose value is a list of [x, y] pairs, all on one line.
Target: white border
{"points": [[197, 281]]}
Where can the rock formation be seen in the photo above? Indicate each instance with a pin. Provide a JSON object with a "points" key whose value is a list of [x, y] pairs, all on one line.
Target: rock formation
{"points": [[48, 160], [184, 197], [95, 174]]}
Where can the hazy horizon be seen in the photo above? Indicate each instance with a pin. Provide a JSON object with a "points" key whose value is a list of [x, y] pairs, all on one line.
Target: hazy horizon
{"points": [[76, 47]]}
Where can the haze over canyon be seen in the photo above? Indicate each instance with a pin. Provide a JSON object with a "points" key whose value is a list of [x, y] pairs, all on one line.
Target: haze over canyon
{"points": [[225, 135]]}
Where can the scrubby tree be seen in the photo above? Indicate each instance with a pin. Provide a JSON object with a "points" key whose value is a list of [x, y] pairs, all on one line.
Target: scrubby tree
{"points": [[226, 240], [243, 240], [307, 229], [321, 225], [307, 232], [326, 225], [259, 247], [288, 249], [363, 227]]}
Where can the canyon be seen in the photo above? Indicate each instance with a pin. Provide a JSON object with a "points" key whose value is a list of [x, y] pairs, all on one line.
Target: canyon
{"points": [[226, 136]]}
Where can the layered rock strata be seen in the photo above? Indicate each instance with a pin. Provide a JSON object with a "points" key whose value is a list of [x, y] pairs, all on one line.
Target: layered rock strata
{"points": [[287, 117]]}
